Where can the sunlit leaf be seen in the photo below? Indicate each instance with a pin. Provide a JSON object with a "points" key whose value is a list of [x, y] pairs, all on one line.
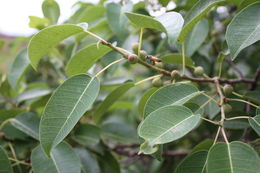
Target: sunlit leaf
{"points": [[65, 107], [51, 10]]}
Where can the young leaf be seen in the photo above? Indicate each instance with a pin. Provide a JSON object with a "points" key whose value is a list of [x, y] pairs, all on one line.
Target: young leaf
{"points": [[42, 42], [171, 23], [28, 123], [175, 94], [5, 165], [89, 163], [19, 66], [116, 19], [38, 22], [195, 162], [51, 10], [84, 59], [195, 15], [253, 96], [196, 37], [65, 107], [167, 124], [176, 58], [243, 30], [111, 99], [234, 157], [255, 123], [62, 159]]}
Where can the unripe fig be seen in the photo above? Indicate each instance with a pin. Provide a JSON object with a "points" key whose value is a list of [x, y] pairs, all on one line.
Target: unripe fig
{"points": [[157, 82], [228, 89], [143, 54], [132, 58], [227, 108], [135, 47], [175, 74], [159, 64], [198, 71]]}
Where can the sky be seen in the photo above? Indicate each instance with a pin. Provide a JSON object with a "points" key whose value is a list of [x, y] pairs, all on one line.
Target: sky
{"points": [[14, 15]]}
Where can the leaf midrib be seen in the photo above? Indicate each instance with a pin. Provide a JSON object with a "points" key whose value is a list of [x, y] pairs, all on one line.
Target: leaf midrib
{"points": [[230, 158]]}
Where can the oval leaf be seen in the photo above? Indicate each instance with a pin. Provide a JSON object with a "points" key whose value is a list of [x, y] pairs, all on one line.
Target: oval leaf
{"points": [[243, 30], [63, 160], [171, 23], [234, 157], [195, 162], [167, 124], [255, 123], [65, 107], [83, 60], [51, 10], [144, 99], [195, 15], [111, 99], [176, 58], [28, 123], [176, 94], [19, 66], [5, 165], [42, 42]]}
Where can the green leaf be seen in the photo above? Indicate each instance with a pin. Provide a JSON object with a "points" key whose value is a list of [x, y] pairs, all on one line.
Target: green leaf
{"points": [[109, 163], [144, 99], [167, 124], [255, 123], [195, 162], [253, 96], [204, 145], [236, 124], [10, 113], [171, 23], [42, 42], [246, 3], [176, 58], [175, 94], [196, 37], [91, 14], [198, 11], [38, 22], [51, 10], [18, 68], [5, 165], [28, 123], [32, 94], [116, 19], [111, 99], [62, 159], [84, 59], [87, 134], [65, 107], [234, 157], [89, 163], [243, 30]]}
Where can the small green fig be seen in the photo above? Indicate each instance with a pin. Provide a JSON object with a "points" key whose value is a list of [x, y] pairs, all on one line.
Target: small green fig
{"points": [[135, 47], [143, 54], [175, 74], [227, 108], [159, 64], [132, 58], [228, 89], [198, 71], [157, 82]]}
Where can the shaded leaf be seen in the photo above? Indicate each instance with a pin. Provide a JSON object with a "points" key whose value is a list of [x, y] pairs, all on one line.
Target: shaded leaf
{"points": [[85, 58], [65, 107], [42, 42], [28, 123], [195, 162], [167, 124], [19, 66], [32, 94], [243, 30], [109, 163], [175, 94], [176, 58], [255, 123], [204, 145], [62, 159], [234, 157], [5, 165], [253, 96], [195, 15], [111, 99], [51, 10], [10, 113]]}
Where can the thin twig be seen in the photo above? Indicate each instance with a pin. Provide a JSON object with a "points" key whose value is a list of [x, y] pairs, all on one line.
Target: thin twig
{"points": [[147, 79], [109, 65]]}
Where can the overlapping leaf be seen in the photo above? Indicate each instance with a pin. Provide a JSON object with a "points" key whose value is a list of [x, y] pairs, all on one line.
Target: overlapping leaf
{"points": [[176, 58], [65, 107], [255, 123], [175, 94], [51, 10], [5, 165]]}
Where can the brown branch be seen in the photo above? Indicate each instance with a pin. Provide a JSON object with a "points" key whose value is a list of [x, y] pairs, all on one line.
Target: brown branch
{"points": [[255, 83]]}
